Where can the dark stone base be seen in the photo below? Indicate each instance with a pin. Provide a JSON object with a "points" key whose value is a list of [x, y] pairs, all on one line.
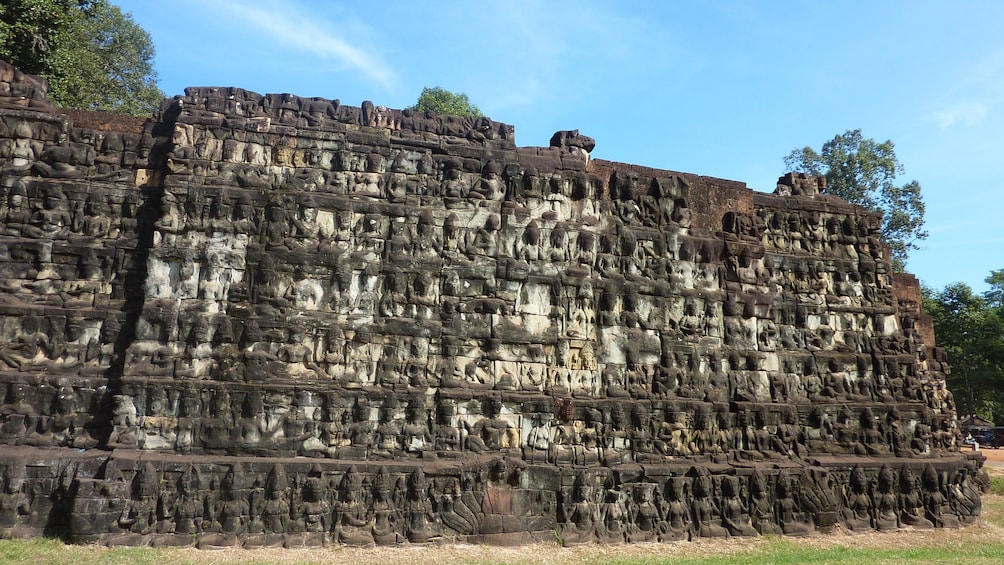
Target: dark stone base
{"points": [[131, 498]]}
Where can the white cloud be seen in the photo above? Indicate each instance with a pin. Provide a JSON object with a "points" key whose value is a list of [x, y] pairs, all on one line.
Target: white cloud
{"points": [[544, 53], [523, 94], [963, 113], [282, 23]]}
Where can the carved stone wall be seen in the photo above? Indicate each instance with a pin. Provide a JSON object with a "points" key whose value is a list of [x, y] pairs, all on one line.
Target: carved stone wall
{"points": [[271, 320]]}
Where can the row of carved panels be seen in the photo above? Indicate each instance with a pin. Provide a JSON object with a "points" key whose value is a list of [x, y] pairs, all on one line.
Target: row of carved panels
{"points": [[83, 213], [227, 106], [328, 403], [534, 439], [399, 243], [616, 339], [324, 402], [572, 366], [502, 278], [36, 269], [218, 210], [487, 336], [493, 318], [230, 199], [425, 278], [552, 251], [243, 503], [351, 423], [613, 382], [50, 149], [29, 131], [204, 203]]}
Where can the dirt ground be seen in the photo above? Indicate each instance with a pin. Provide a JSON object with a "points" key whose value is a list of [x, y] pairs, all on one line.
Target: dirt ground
{"points": [[995, 457], [557, 555], [554, 554]]}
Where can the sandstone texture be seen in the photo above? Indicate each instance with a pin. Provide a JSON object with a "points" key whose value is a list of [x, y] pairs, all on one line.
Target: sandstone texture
{"points": [[280, 321]]}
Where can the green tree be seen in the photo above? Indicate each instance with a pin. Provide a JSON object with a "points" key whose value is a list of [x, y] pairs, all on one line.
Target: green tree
{"points": [[94, 56], [863, 171], [995, 296], [970, 327], [442, 101]]}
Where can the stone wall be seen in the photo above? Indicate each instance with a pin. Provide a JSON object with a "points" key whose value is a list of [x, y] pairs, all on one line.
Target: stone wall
{"points": [[270, 320]]}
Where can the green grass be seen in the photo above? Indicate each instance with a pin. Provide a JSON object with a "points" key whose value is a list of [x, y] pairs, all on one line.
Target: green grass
{"points": [[847, 555], [788, 551], [997, 484], [774, 551], [51, 551]]}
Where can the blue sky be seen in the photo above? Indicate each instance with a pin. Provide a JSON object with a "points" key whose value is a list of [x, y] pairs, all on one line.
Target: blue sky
{"points": [[723, 88]]}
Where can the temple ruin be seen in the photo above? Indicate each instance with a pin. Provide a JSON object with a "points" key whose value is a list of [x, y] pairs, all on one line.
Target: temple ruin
{"points": [[281, 321]]}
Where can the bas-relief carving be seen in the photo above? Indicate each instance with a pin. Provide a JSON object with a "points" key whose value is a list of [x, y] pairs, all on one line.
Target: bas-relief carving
{"points": [[511, 332]]}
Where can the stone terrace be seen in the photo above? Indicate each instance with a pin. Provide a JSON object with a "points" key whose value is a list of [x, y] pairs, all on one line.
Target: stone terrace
{"points": [[271, 320]]}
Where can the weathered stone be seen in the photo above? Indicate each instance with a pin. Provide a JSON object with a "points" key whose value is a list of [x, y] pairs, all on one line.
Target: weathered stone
{"points": [[299, 323]]}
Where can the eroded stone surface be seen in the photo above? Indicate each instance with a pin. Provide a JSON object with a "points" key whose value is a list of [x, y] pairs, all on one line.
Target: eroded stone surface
{"points": [[270, 320]]}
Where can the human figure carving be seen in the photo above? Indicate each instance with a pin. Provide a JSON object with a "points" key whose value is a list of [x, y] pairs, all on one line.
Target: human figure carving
{"points": [[645, 521], [735, 516], [421, 519], [140, 512], [582, 514], [187, 510], [387, 521], [15, 503], [232, 509], [416, 432], [537, 447], [355, 519], [911, 501], [276, 508], [389, 429], [761, 507], [491, 432], [964, 498], [858, 506], [706, 511], [314, 507], [613, 510], [490, 186], [679, 522]]}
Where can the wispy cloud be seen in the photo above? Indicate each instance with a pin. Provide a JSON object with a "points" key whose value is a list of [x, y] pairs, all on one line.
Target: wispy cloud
{"points": [[282, 23], [546, 53], [956, 105], [961, 113]]}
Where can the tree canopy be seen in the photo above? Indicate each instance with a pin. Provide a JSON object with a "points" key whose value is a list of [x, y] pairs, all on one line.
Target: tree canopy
{"points": [[442, 101], [863, 171], [94, 56], [970, 326]]}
